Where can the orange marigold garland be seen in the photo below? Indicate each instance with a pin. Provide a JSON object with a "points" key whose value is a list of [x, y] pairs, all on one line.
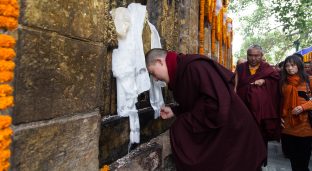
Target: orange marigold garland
{"points": [[6, 65], [105, 168], [6, 76], [7, 53], [5, 90], [5, 141], [14, 3], [7, 41], [202, 27], [9, 12], [9, 23]]}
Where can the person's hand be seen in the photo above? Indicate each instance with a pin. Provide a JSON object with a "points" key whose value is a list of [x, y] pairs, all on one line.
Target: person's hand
{"points": [[259, 82], [297, 110], [166, 112], [282, 123]]}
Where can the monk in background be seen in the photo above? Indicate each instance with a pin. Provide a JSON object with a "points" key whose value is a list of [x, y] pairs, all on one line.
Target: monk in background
{"points": [[213, 129], [257, 84]]}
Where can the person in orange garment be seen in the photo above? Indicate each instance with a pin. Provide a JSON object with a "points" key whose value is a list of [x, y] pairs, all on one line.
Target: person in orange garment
{"points": [[297, 131], [213, 129]]}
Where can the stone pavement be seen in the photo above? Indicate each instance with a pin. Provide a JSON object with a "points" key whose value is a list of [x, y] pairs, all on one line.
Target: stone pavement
{"points": [[276, 160]]}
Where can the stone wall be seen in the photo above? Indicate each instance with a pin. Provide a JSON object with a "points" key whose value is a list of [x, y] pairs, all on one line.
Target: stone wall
{"points": [[65, 96]]}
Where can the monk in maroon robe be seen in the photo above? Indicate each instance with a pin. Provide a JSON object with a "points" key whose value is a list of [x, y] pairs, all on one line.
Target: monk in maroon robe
{"points": [[257, 84], [213, 129]]}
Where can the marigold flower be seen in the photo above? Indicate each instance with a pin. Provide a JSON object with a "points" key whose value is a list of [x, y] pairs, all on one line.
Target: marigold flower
{"points": [[7, 41], [5, 144], [7, 53], [5, 166], [5, 133], [7, 65], [6, 102], [105, 168], [5, 90], [5, 121], [8, 10], [5, 154], [10, 2], [6, 76], [9, 23]]}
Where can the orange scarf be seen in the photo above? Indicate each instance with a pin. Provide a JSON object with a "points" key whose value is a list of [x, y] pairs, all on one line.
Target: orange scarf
{"points": [[290, 95]]}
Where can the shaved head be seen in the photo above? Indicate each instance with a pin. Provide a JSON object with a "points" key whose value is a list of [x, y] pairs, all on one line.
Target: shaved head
{"points": [[154, 54]]}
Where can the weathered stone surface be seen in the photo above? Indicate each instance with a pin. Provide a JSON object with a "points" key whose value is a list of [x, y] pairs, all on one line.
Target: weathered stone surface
{"points": [[136, 159], [177, 23], [145, 157], [207, 42], [114, 137], [57, 145], [55, 76], [81, 19], [169, 164], [164, 140]]}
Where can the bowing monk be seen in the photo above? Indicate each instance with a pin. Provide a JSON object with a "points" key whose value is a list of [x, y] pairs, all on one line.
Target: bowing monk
{"points": [[213, 129], [257, 84]]}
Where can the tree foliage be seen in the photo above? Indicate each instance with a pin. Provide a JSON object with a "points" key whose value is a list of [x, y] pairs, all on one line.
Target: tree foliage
{"points": [[273, 24]]}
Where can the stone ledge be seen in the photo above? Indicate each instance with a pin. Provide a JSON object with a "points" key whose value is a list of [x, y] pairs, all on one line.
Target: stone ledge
{"points": [[154, 155], [114, 136]]}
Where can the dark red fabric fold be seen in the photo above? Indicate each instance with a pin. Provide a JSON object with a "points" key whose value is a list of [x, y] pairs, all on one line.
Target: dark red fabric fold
{"points": [[171, 61], [262, 101], [214, 129]]}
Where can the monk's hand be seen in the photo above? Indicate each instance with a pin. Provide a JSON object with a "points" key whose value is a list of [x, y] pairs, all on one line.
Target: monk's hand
{"points": [[166, 112], [297, 110], [259, 82]]}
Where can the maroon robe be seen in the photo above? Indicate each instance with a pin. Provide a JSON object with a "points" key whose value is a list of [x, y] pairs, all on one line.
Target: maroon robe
{"points": [[213, 130], [263, 101]]}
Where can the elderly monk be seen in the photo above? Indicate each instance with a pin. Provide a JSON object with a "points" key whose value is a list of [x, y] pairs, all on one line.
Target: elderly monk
{"points": [[213, 129], [257, 84]]}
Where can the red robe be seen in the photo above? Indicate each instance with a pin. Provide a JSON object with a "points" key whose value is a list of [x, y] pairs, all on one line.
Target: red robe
{"points": [[263, 101], [213, 130]]}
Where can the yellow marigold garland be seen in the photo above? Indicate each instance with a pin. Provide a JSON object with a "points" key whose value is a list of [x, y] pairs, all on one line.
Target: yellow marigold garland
{"points": [[7, 41], [7, 53], [6, 65]]}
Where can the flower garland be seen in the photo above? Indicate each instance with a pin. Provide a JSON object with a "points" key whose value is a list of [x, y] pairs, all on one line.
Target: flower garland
{"points": [[8, 22], [105, 168], [202, 27], [213, 28], [9, 12]]}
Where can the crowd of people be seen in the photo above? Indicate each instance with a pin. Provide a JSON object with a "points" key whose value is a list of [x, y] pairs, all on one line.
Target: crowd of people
{"points": [[224, 120]]}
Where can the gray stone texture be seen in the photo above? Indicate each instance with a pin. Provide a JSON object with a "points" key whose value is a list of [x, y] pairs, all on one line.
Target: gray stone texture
{"points": [[55, 76], [62, 144]]}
